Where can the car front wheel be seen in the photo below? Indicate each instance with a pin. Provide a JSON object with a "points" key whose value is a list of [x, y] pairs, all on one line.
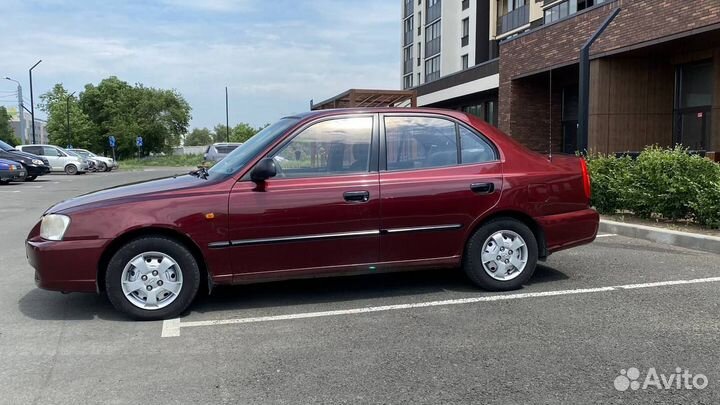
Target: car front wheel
{"points": [[501, 255], [152, 278], [71, 169], [30, 178]]}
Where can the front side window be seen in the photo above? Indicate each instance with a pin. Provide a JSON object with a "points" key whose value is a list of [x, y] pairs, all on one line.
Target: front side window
{"points": [[420, 143], [332, 147], [49, 151]]}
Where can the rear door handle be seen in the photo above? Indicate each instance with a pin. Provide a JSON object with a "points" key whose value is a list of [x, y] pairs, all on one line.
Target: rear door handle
{"points": [[482, 188], [357, 196]]}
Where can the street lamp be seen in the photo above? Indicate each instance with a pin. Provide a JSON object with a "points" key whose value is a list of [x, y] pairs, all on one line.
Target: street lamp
{"points": [[32, 101], [67, 111], [21, 113]]}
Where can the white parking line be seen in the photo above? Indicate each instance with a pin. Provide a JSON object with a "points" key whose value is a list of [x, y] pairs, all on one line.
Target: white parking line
{"points": [[171, 327], [9, 191], [605, 235]]}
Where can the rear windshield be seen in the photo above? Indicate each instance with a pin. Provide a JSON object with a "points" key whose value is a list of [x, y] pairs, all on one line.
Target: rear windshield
{"points": [[225, 148]]}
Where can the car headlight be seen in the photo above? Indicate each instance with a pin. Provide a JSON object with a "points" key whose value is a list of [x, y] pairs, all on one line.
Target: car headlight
{"points": [[53, 226], [37, 162]]}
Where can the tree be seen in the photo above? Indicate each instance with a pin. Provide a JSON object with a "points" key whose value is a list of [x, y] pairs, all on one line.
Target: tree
{"points": [[55, 104], [199, 137], [114, 107], [6, 132], [220, 133]]}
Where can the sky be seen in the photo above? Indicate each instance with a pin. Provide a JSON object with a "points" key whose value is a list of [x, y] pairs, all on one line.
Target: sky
{"points": [[274, 55]]}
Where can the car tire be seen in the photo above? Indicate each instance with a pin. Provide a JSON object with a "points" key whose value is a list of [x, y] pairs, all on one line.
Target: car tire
{"points": [[30, 178], [4, 182], [71, 170], [101, 167], [495, 266], [150, 254]]}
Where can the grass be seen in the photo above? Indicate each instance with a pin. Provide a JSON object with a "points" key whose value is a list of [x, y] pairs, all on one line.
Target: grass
{"points": [[162, 161]]}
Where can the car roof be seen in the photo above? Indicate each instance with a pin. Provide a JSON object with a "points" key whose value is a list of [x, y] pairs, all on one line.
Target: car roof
{"points": [[373, 110]]}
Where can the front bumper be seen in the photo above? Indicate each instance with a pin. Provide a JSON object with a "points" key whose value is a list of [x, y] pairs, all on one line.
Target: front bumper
{"points": [[68, 266], [13, 175], [35, 170]]}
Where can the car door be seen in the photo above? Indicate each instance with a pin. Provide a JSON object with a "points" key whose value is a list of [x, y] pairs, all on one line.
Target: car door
{"points": [[55, 157], [41, 151], [321, 213], [438, 176]]}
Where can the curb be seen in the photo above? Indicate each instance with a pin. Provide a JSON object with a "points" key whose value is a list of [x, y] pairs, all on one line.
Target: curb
{"points": [[686, 240]]}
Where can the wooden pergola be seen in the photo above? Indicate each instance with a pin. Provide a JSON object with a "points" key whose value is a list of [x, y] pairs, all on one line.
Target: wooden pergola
{"points": [[361, 98]]}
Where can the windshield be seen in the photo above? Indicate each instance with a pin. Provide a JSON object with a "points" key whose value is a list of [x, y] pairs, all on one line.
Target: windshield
{"points": [[70, 153], [81, 153], [5, 147], [240, 157]]}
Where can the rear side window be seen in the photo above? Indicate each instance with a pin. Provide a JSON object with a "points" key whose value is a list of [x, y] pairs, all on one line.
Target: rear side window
{"points": [[428, 142], [420, 143], [474, 149], [35, 150], [332, 147]]}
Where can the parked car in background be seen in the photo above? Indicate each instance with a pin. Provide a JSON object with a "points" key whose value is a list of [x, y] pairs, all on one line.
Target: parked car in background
{"points": [[104, 164], [11, 171], [336, 192], [217, 151], [59, 159], [34, 165], [91, 163]]}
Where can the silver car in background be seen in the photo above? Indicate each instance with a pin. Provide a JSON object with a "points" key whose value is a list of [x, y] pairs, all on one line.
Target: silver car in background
{"points": [[102, 163], [60, 160], [217, 151]]}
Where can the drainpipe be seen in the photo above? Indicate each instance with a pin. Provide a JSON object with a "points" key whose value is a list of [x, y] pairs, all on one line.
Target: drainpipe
{"points": [[584, 86]]}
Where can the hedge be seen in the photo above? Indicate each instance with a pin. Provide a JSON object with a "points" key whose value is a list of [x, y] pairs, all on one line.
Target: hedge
{"points": [[667, 183]]}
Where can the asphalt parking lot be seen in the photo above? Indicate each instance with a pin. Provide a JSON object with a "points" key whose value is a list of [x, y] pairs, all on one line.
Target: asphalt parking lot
{"points": [[424, 337]]}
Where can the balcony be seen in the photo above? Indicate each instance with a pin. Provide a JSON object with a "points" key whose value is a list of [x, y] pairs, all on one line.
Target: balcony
{"points": [[408, 8], [407, 66], [514, 19]]}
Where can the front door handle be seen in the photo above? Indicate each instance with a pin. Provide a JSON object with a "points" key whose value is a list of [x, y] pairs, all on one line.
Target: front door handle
{"points": [[357, 196], [482, 188]]}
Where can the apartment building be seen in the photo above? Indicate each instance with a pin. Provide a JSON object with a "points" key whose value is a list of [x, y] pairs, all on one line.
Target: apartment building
{"points": [[652, 75]]}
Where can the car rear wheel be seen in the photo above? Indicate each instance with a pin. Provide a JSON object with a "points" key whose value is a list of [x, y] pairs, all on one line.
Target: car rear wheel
{"points": [[152, 278], [71, 169], [501, 255], [30, 178]]}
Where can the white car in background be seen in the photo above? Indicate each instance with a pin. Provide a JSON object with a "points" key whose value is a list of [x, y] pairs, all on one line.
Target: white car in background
{"points": [[217, 151], [103, 164], [59, 159]]}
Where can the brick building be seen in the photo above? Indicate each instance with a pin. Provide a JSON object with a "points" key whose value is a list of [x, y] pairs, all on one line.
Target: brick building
{"points": [[654, 72]]}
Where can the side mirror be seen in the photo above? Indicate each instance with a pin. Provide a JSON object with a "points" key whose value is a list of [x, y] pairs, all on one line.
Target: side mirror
{"points": [[264, 170]]}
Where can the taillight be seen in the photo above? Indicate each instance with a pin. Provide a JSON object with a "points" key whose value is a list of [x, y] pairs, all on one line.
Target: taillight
{"points": [[586, 179]]}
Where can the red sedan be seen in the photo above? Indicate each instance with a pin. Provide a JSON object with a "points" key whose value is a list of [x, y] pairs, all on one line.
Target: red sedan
{"points": [[333, 192]]}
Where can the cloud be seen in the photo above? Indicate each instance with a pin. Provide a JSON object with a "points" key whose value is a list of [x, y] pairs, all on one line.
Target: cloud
{"points": [[211, 5], [274, 58]]}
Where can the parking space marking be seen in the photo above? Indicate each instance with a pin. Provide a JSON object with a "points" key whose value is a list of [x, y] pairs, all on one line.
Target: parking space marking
{"points": [[171, 327], [605, 235], [9, 191]]}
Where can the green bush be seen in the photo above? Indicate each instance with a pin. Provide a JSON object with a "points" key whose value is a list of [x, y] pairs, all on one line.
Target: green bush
{"points": [[668, 183], [610, 178]]}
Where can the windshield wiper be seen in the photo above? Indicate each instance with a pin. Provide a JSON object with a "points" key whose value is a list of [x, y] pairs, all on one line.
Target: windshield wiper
{"points": [[201, 172]]}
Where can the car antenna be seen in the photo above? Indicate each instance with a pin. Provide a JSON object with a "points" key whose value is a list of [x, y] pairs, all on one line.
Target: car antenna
{"points": [[550, 132]]}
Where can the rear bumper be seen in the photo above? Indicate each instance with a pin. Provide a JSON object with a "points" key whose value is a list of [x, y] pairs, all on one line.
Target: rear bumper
{"points": [[68, 266], [570, 229]]}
